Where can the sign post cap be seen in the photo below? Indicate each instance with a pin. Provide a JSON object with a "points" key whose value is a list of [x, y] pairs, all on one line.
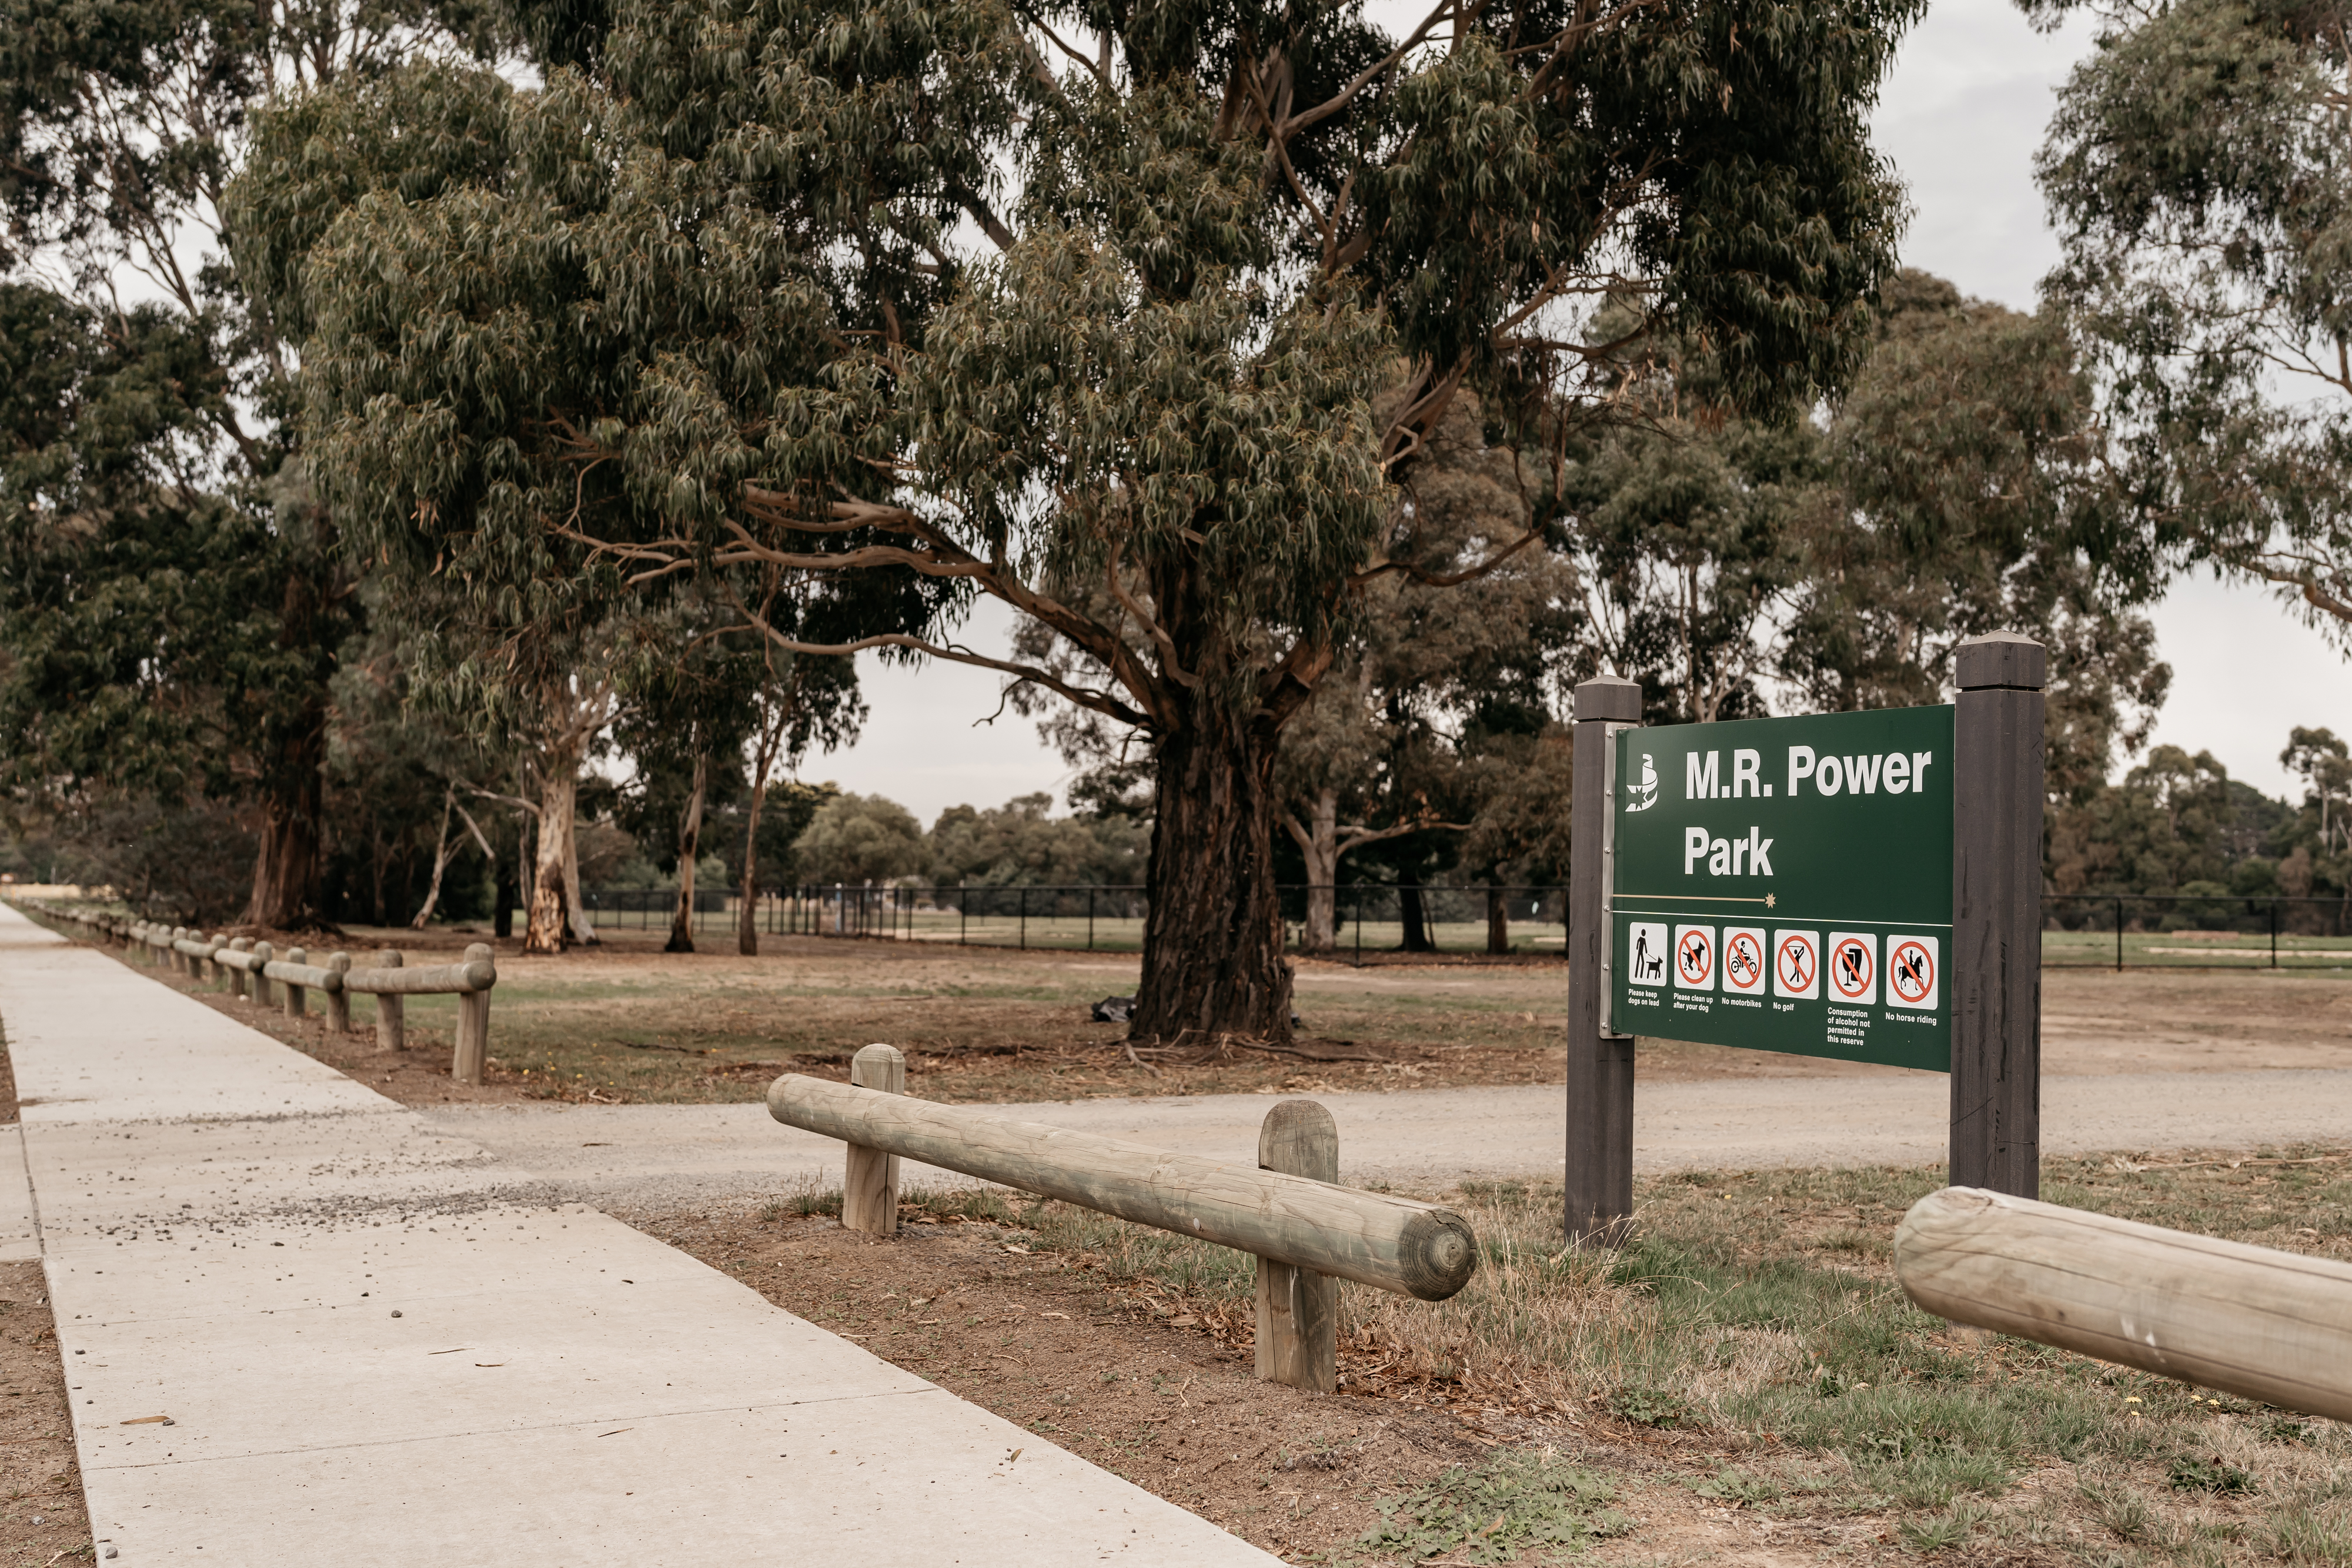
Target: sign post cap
{"points": [[1609, 698], [2001, 659]]}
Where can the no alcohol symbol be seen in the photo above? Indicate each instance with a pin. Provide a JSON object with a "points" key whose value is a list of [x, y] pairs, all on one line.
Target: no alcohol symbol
{"points": [[1854, 966]]}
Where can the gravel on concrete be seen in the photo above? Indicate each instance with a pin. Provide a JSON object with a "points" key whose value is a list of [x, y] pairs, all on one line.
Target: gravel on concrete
{"points": [[652, 1159]]}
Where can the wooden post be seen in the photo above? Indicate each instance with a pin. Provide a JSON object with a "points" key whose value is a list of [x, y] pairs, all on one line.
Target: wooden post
{"points": [[1299, 1309], [869, 1187], [473, 1025], [1598, 1175], [172, 954], [294, 992], [338, 1001], [391, 1021], [238, 983], [2266, 1326], [262, 954], [1996, 962]]}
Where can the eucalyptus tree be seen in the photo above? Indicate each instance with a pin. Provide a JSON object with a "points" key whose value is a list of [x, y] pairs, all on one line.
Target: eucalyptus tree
{"points": [[1092, 309], [2198, 171], [121, 128]]}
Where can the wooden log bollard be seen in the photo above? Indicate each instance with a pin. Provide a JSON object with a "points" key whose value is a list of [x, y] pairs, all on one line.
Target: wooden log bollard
{"points": [[1299, 1309], [239, 983], [391, 1021], [869, 1187], [2262, 1324], [473, 1023], [339, 1001], [294, 1008], [262, 954], [1373, 1237]]}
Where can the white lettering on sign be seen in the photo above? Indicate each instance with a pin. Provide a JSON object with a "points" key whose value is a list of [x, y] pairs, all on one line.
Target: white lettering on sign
{"points": [[1749, 857], [1699, 777], [1746, 768], [1899, 773]]}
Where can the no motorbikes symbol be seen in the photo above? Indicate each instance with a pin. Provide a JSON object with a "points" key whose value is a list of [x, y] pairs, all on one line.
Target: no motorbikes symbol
{"points": [[1743, 961]]}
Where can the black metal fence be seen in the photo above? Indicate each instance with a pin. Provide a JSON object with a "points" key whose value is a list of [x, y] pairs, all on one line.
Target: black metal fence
{"points": [[2079, 930], [2188, 931]]}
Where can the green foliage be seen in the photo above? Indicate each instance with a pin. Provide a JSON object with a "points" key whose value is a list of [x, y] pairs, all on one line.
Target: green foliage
{"points": [[2196, 168], [1518, 1503], [2190, 1472], [1648, 1406], [858, 839], [717, 311], [1019, 842]]}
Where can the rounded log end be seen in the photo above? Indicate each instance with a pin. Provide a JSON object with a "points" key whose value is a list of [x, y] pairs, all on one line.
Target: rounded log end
{"points": [[480, 975], [780, 1096], [1436, 1253]]}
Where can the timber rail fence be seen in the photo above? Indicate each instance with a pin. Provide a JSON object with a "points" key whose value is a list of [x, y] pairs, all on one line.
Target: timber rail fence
{"points": [[1288, 1209], [247, 969], [2262, 1324]]}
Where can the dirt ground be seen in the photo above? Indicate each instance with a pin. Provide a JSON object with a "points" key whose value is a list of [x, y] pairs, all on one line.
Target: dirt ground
{"points": [[42, 1520], [626, 1023], [1162, 1391]]}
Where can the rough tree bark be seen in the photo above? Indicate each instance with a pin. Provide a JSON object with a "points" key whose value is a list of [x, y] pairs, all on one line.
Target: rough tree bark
{"points": [[764, 758], [584, 930], [1499, 921], [548, 926], [285, 867], [1213, 962], [1414, 916], [689, 845]]}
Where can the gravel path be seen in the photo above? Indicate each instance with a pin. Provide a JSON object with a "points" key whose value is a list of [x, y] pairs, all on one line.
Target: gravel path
{"points": [[664, 1158]]}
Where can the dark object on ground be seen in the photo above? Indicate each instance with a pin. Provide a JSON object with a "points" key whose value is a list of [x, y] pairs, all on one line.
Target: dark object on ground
{"points": [[1113, 1010]]}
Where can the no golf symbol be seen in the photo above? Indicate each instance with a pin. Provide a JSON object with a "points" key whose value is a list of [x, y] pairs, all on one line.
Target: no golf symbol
{"points": [[1797, 964], [1911, 972]]}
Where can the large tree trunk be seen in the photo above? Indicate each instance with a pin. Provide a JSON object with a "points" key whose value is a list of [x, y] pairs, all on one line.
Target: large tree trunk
{"points": [[286, 868], [747, 924], [1415, 916], [1212, 960], [584, 930], [689, 845], [1499, 921], [1319, 845], [509, 869], [547, 928]]}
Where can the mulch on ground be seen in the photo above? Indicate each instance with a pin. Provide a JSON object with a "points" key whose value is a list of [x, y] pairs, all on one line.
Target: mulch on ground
{"points": [[42, 1520]]}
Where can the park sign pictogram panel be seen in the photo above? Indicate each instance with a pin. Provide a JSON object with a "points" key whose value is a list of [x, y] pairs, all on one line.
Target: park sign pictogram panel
{"points": [[1786, 884]]}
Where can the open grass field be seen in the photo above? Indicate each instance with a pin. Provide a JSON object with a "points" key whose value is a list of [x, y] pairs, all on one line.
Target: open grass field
{"points": [[1741, 1382], [624, 1022]]}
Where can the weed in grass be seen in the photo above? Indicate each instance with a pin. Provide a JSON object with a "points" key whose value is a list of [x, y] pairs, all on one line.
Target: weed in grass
{"points": [[1938, 1531], [2119, 1508], [804, 1203], [1649, 1407], [2188, 1472], [1520, 1501], [1734, 1485]]}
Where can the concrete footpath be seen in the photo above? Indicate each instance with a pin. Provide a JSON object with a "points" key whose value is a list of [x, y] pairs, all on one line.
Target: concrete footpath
{"points": [[374, 1346], [655, 1157]]}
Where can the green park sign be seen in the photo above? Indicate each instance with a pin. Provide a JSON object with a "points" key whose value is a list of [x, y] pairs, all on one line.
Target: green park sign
{"points": [[1785, 884]]}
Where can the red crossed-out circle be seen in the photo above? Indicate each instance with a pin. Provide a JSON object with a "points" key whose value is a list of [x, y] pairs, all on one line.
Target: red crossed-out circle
{"points": [[1796, 963], [1695, 955], [1743, 955], [1838, 971], [1911, 971]]}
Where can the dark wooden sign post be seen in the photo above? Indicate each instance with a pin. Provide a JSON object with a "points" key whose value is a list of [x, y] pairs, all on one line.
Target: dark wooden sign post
{"points": [[1862, 885]]}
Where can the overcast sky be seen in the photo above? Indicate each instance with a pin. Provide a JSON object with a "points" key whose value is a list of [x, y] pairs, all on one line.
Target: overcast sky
{"points": [[1962, 116]]}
